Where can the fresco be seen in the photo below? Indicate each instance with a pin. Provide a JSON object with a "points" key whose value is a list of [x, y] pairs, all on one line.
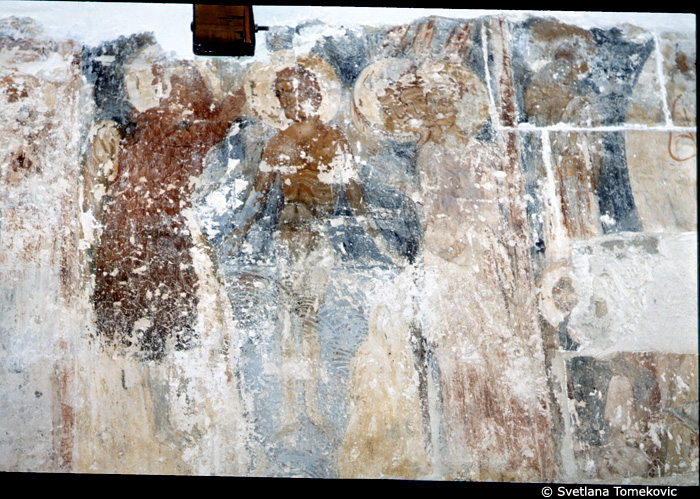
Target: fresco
{"points": [[448, 250]]}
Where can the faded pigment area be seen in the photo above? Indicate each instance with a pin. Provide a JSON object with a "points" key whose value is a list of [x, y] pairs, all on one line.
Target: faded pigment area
{"points": [[447, 250]]}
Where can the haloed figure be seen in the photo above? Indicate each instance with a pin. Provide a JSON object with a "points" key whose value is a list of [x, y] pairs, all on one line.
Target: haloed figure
{"points": [[145, 284], [313, 163]]}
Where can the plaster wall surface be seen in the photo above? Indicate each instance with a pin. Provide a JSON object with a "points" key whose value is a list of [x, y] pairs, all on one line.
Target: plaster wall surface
{"points": [[449, 247]]}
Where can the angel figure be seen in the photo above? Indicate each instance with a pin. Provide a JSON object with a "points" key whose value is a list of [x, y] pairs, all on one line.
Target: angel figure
{"points": [[144, 278]]}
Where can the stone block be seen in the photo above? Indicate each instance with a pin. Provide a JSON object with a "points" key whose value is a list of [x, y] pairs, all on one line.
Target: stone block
{"points": [[634, 292], [663, 178]]}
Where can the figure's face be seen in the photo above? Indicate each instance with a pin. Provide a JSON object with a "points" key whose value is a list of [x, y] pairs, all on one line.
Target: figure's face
{"points": [[152, 84], [441, 107], [298, 92], [146, 83], [404, 106]]}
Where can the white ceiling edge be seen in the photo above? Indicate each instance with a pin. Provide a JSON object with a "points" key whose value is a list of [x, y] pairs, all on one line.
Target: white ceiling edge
{"points": [[94, 22]]}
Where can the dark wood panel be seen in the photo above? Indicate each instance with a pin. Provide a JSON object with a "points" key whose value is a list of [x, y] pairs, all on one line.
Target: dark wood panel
{"points": [[223, 30]]}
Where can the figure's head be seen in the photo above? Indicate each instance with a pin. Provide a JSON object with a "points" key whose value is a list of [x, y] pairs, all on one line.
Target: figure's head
{"points": [[421, 104], [457, 100], [298, 92], [431, 102], [145, 80], [150, 77], [441, 103], [450, 87]]}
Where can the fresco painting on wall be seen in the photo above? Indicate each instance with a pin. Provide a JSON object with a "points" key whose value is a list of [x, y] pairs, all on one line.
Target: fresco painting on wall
{"points": [[417, 251]]}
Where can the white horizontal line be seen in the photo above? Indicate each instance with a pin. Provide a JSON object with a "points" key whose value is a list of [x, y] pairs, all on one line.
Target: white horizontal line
{"points": [[527, 127]]}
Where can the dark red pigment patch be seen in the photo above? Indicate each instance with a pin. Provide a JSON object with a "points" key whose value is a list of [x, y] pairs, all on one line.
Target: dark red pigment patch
{"points": [[67, 418], [143, 264]]}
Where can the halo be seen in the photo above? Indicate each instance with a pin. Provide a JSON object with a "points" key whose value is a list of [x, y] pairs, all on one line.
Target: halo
{"points": [[367, 111], [259, 86], [143, 89], [453, 82]]}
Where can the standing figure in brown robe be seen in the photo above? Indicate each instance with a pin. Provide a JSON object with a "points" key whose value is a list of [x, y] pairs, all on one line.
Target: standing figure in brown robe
{"points": [[314, 165], [145, 284]]}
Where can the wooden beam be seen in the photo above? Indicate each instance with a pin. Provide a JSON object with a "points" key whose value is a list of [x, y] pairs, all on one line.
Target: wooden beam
{"points": [[223, 30]]}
